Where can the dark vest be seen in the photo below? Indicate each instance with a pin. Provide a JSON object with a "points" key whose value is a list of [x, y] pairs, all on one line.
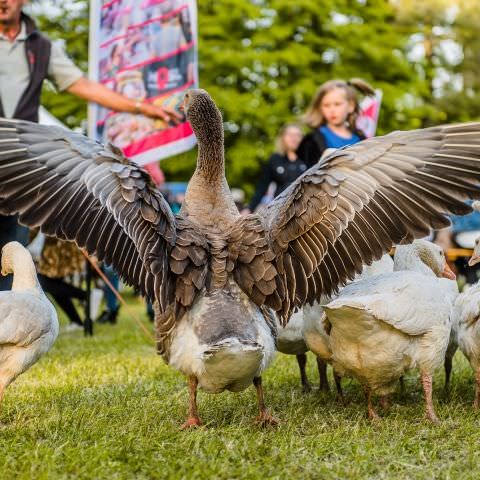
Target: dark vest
{"points": [[37, 50]]}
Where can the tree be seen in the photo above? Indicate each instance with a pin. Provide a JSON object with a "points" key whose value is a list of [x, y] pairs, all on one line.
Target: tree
{"points": [[262, 61], [461, 97]]}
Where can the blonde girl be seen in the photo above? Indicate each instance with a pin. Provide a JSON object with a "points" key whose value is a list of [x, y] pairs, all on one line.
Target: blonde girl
{"points": [[332, 116]]}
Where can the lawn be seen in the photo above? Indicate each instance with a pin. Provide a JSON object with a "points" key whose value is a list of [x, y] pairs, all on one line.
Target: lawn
{"points": [[108, 408]]}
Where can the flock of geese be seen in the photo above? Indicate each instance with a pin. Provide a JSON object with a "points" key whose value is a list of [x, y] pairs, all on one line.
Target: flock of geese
{"points": [[306, 272]]}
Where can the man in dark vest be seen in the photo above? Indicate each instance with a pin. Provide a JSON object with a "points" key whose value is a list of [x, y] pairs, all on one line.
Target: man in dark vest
{"points": [[27, 58]]}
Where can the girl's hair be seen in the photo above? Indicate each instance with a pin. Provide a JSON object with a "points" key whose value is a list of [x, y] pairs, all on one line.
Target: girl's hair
{"points": [[313, 116], [279, 143]]}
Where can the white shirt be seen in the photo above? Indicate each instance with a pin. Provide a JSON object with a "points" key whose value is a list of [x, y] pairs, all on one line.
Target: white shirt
{"points": [[15, 75]]}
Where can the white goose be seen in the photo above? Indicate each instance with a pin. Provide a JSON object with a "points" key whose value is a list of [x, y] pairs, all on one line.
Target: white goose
{"points": [[316, 330], [385, 325], [28, 321], [466, 324], [290, 342], [217, 277]]}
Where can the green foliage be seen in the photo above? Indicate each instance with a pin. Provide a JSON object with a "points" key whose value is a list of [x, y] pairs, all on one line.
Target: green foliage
{"points": [[262, 60], [70, 28], [108, 408]]}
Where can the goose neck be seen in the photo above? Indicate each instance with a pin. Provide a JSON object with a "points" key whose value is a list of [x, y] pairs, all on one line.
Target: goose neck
{"points": [[24, 273], [211, 160]]}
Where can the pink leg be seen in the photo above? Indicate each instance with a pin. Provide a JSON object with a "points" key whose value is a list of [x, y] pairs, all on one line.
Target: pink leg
{"points": [[193, 419], [372, 414], [430, 414], [476, 402], [2, 391], [264, 418]]}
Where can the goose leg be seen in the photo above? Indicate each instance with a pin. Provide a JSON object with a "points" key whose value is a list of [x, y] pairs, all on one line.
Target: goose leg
{"points": [[193, 419], [430, 414], [338, 386], [264, 418], [302, 362], [372, 414], [476, 402], [448, 371], [322, 371]]}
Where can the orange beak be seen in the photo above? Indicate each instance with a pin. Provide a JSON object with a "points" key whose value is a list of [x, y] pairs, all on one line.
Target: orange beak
{"points": [[448, 273], [474, 259]]}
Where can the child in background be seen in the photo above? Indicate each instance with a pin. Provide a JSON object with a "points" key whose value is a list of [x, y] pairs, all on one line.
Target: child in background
{"points": [[332, 115], [283, 166]]}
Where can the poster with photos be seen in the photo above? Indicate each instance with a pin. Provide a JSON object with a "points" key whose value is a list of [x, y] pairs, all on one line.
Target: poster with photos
{"points": [[369, 110], [147, 51]]}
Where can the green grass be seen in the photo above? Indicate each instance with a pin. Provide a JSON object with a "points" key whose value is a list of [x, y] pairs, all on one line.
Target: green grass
{"points": [[108, 408]]}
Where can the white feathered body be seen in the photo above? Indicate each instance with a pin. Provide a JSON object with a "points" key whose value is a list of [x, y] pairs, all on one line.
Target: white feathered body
{"points": [[467, 324], [28, 321], [385, 325], [225, 341], [290, 338], [316, 330]]}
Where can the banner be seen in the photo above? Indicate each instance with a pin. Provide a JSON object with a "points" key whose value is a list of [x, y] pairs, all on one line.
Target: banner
{"points": [[147, 51], [369, 110]]}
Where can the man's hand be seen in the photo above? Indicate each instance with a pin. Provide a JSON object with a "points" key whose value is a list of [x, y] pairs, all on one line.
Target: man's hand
{"points": [[165, 113]]}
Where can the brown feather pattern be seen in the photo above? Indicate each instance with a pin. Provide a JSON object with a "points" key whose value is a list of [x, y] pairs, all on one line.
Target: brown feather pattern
{"points": [[354, 206], [77, 189]]}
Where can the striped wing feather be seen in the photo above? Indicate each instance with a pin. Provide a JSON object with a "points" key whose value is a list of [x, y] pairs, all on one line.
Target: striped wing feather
{"points": [[77, 189], [352, 207]]}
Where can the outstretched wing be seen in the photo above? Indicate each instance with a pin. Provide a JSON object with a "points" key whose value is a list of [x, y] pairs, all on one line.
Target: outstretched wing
{"points": [[351, 208], [77, 189]]}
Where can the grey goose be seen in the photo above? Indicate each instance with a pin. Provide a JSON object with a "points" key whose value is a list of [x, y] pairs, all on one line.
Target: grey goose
{"points": [[218, 278]]}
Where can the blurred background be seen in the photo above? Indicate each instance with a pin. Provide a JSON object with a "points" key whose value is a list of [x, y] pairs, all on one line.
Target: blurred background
{"points": [[262, 60]]}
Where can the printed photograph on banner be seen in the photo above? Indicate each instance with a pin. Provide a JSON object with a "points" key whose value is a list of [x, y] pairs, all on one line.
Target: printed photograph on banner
{"points": [[147, 51]]}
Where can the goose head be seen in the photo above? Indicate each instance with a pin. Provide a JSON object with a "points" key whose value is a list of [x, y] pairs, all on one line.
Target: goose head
{"points": [[475, 258], [423, 256], [203, 115], [10, 252]]}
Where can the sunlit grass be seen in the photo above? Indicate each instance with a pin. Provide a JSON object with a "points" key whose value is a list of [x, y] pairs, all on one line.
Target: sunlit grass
{"points": [[108, 408]]}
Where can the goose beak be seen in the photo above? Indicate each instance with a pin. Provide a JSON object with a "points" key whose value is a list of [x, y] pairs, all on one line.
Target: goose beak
{"points": [[474, 259], [448, 273]]}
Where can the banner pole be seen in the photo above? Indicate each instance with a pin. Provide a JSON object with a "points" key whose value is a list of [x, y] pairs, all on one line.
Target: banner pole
{"points": [[93, 39]]}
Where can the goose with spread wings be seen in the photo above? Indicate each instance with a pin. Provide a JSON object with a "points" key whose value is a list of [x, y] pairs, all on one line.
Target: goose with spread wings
{"points": [[219, 278]]}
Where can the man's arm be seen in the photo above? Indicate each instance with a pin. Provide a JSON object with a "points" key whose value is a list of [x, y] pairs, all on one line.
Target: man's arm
{"points": [[98, 93]]}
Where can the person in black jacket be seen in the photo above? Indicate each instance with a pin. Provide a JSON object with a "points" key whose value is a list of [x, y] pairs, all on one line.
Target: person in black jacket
{"points": [[283, 166], [332, 116]]}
